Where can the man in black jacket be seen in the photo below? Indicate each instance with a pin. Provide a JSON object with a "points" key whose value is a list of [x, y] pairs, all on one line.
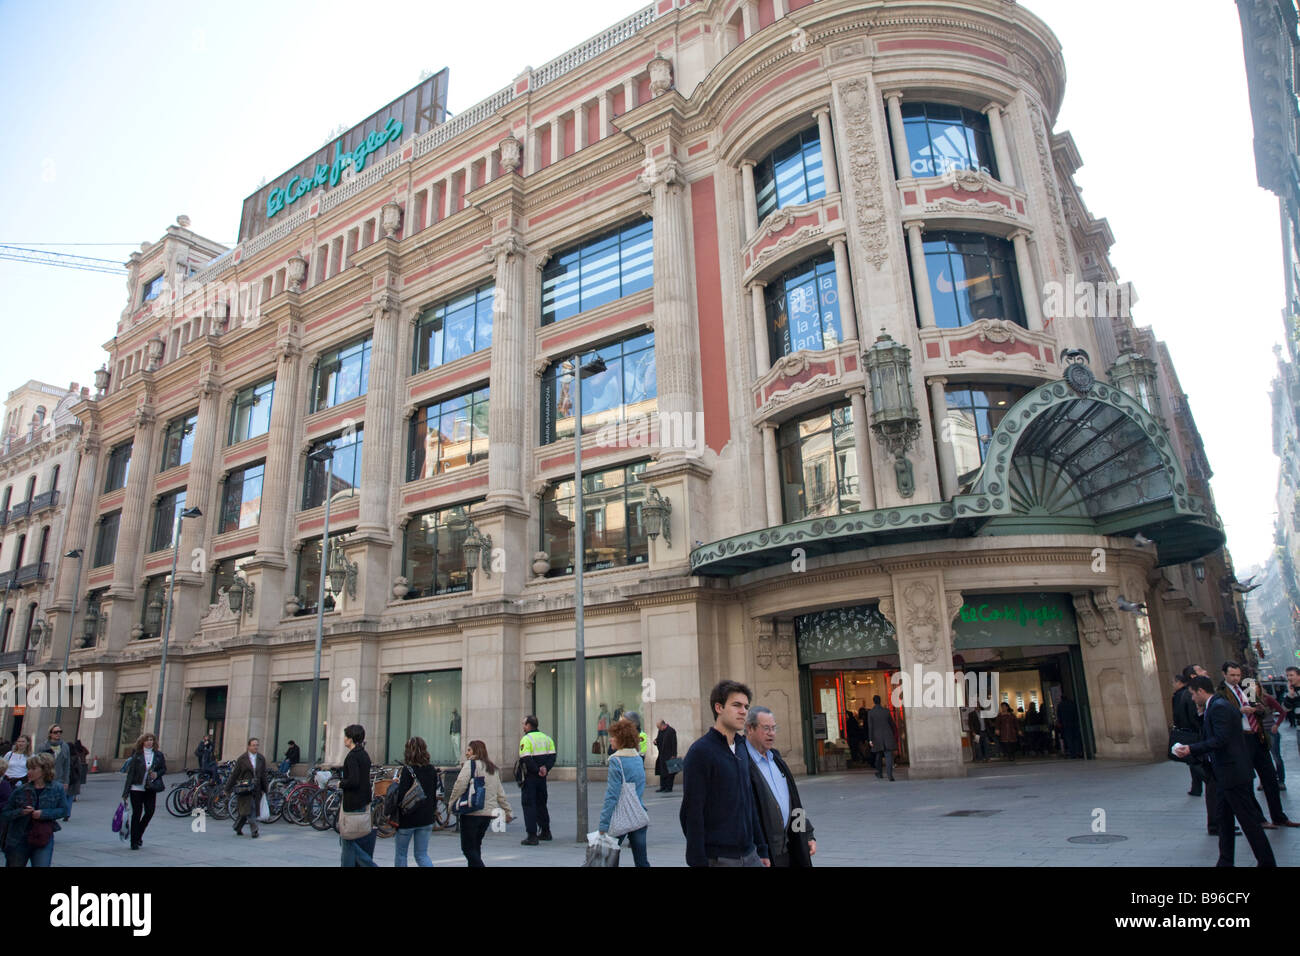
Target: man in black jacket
{"points": [[666, 747], [1222, 742], [1185, 718], [786, 828], [718, 814]]}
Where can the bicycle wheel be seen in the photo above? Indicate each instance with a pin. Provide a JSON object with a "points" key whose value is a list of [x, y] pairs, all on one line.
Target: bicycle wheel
{"points": [[316, 812], [380, 819], [276, 801], [332, 806], [174, 800], [218, 804]]}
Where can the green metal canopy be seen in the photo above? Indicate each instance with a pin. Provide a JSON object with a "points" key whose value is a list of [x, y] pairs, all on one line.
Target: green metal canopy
{"points": [[1072, 457]]}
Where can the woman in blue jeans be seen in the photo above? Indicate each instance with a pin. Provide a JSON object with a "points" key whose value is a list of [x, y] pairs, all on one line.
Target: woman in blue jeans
{"points": [[417, 821], [625, 766], [34, 806]]}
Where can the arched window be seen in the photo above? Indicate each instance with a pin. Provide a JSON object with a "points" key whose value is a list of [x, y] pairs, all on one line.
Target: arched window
{"points": [[27, 627], [18, 552], [6, 620], [45, 541], [972, 276], [54, 479], [31, 488]]}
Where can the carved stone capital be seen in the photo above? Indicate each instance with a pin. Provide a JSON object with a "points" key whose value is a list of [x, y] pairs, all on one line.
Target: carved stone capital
{"points": [[144, 417], [507, 246], [661, 75], [385, 303], [287, 351], [765, 646], [663, 173], [512, 151]]}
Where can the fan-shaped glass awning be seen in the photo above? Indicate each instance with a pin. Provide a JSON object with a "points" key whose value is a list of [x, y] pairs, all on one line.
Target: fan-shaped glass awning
{"points": [[1064, 460]]}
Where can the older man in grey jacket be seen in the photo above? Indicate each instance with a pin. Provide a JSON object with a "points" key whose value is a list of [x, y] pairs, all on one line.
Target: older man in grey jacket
{"points": [[61, 751], [883, 736]]}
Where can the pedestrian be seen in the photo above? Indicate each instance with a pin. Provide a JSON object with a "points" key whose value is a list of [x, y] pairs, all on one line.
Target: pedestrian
{"points": [[787, 831], [975, 725], [144, 780], [32, 814], [1186, 719], [17, 757], [1273, 717], [642, 741], [883, 734], [292, 755], [718, 815], [77, 776], [1035, 729], [536, 758], [1223, 742], [864, 743], [853, 736], [1291, 699], [1008, 730], [474, 824], [1257, 755], [666, 750], [249, 781], [1207, 774], [625, 766], [62, 753], [6, 785], [355, 785], [416, 822], [206, 756]]}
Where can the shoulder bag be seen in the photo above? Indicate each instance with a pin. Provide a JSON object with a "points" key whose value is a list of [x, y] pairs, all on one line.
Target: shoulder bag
{"points": [[353, 825], [414, 795], [475, 795], [628, 814]]}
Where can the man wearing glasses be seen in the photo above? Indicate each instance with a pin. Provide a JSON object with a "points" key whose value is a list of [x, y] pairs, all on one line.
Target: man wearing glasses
{"points": [[61, 751], [788, 832]]}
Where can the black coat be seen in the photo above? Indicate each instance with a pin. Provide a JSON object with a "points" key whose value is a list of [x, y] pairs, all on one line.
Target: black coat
{"points": [[1184, 709], [293, 755], [782, 841], [718, 815], [666, 744], [356, 780], [1225, 744], [422, 814], [135, 770]]}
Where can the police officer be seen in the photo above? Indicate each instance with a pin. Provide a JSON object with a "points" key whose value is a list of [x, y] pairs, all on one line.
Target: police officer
{"points": [[641, 738], [536, 758]]}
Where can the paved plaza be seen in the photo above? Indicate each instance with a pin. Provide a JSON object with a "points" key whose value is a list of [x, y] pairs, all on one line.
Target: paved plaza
{"points": [[1023, 815]]}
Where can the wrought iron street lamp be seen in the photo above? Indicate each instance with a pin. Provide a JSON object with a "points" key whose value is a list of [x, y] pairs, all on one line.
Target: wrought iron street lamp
{"points": [[167, 623], [655, 513], [894, 417], [239, 596], [477, 549]]}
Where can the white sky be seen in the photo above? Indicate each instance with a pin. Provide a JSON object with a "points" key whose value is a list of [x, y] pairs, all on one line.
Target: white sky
{"points": [[123, 116]]}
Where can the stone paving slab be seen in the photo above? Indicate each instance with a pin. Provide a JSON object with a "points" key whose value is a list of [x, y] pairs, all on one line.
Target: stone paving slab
{"points": [[859, 821]]}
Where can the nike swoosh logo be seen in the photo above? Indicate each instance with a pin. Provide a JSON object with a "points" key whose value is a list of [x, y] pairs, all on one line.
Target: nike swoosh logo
{"points": [[943, 284]]}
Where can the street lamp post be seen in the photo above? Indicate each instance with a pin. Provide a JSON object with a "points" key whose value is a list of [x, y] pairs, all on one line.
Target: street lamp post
{"points": [[594, 367], [67, 653], [323, 454], [167, 620]]}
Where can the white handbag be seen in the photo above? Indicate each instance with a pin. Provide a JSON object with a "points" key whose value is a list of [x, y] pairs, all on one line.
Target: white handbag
{"points": [[628, 814], [264, 811], [355, 825]]}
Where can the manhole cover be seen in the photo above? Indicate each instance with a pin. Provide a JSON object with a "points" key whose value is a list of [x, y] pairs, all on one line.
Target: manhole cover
{"points": [[972, 813], [1097, 839]]}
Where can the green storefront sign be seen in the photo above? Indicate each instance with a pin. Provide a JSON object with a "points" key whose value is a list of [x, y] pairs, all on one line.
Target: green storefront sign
{"points": [[299, 186], [1010, 620]]}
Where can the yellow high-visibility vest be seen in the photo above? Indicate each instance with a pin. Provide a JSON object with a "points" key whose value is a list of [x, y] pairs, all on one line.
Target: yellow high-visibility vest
{"points": [[535, 744], [640, 747]]}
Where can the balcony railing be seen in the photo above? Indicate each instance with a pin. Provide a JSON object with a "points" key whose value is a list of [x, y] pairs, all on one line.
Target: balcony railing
{"points": [[45, 500], [32, 573], [12, 659], [20, 510]]}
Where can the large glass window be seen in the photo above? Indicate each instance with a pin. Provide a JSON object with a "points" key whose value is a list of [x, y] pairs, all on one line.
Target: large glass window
{"points": [[252, 412], [117, 468], [293, 718], [972, 277], [152, 289], [341, 375], [453, 329], [791, 174], [448, 435], [613, 688], [178, 441], [223, 574], [974, 413], [432, 559], [307, 583], [241, 501], [130, 721], [943, 138], [613, 532], [426, 705], [627, 389], [106, 539], [600, 270], [803, 309], [153, 606], [819, 465], [164, 520], [345, 475]]}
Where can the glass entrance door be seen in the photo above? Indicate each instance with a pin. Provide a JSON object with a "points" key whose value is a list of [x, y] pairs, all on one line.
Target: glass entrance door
{"points": [[840, 701]]}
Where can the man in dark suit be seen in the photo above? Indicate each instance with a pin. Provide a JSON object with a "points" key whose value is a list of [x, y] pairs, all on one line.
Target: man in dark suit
{"points": [[1186, 718], [786, 827], [250, 768], [1223, 743], [666, 746], [1251, 716], [883, 736]]}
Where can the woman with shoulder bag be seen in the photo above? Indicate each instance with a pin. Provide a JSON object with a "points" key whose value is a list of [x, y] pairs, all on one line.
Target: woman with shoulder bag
{"points": [[32, 814], [356, 834], [144, 772], [474, 823], [626, 767], [415, 810]]}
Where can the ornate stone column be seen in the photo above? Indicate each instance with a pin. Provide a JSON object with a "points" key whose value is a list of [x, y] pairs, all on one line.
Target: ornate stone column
{"points": [[862, 446], [897, 134], [629, 94], [676, 344], [580, 127], [771, 475], [844, 288], [762, 348], [381, 418], [1001, 153], [1028, 283], [829, 170], [920, 274], [281, 456], [606, 110], [749, 17], [130, 538], [943, 439], [751, 198], [557, 140], [509, 375]]}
